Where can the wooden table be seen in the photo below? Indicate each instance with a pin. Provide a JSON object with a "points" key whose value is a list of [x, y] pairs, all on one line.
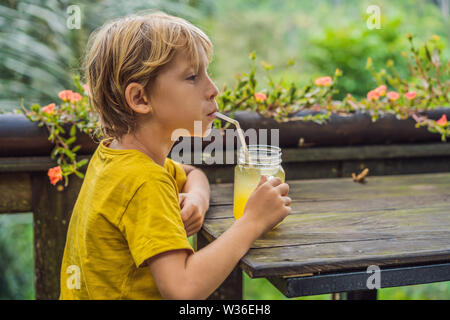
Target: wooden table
{"points": [[338, 228]]}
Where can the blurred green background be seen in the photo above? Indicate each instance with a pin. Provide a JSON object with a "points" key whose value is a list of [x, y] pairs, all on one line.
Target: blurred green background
{"points": [[38, 54]]}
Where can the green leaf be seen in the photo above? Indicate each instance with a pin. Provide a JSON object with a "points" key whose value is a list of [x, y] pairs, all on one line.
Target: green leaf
{"points": [[35, 107], [79, 174], [81, 163], [70, 140], [68, 153], [73, 130]]}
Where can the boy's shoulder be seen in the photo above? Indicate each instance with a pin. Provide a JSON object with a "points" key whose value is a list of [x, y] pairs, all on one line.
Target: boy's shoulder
{"points": [[133, 168]]}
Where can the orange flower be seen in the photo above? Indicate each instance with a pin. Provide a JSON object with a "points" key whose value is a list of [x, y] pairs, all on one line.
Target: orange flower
{"points": [[410, 95], [260, 97], [442, 121], [65, 95], [49, 108], [75, 97], [381, 90], [393, 95], [55, 175], [373, 95], [323, 81]]}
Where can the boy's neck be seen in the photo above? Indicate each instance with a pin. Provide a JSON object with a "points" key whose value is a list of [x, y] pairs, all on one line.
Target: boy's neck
{"points": [[153, 144]]}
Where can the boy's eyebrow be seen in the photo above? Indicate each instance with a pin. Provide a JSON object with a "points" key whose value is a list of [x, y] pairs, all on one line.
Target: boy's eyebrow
{"points": [[189, 67]]}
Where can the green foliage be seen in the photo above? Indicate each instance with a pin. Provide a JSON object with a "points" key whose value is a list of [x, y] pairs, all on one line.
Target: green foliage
{"points": [[349, 47], [426, 87], [16, 256], [39, 53], [280, 100]]}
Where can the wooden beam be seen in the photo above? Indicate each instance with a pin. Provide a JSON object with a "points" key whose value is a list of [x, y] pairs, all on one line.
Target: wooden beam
{"points": [[15, 192], [52, 210]]}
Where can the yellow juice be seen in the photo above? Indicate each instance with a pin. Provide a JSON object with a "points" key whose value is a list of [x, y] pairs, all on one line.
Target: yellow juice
{"points": [[245, 181]]}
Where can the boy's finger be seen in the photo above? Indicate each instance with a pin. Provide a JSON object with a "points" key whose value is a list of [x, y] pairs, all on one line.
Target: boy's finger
{"points": [[283, 188], [194, 224], [287, 201], [262, 180], [186, 212], [182, 197], [275, 181], [193, 228]]}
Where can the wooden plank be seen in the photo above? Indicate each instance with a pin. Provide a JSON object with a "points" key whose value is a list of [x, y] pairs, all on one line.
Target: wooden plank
{"points": [[340, 153], [353, 203], [345, 189], [326, 227], [345, 255], [365, 152], [361, 204], [15, 192], [411, 165], [339, 225], [30, 164]]}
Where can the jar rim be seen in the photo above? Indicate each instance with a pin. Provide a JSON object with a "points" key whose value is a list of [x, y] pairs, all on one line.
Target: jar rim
{"points": [[265, 155], [262, 146]]}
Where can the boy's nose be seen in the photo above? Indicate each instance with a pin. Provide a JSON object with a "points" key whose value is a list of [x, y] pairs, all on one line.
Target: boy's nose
{"points": [[213, 90]]}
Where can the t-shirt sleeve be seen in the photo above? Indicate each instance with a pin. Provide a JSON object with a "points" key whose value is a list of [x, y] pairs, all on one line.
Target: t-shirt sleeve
{"points": [[152, 221], [176, 170]]}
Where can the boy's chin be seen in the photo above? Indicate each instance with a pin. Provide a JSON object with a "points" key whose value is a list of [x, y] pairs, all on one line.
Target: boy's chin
{"points": [[204, 134], [198, 132]]}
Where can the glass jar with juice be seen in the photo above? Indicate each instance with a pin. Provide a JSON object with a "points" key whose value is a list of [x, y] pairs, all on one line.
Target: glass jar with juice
{"points": [[261, 160]]}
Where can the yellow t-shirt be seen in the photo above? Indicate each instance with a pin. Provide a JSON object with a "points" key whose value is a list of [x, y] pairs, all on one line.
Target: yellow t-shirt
{"points": [[126, 212]]}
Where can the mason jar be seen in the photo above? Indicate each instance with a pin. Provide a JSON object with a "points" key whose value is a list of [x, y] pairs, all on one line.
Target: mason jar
{"points": [[262, 160]]}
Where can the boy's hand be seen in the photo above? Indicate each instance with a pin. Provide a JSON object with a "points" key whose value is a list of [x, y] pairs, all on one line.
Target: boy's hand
{"points": [[193, 209]]}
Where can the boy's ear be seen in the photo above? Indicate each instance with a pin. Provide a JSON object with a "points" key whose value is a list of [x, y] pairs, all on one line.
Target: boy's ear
{"points": [[136, 98]]}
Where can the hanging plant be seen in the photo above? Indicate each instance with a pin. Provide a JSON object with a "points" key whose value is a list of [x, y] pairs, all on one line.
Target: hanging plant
{"points": [[73, 110]]}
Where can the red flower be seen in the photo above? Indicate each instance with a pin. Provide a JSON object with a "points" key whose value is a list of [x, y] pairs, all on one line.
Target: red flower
{"points": [[393, 95], [410, 95], [55, 175], [323, 81], [49, 108], [260, 97], [442, 121]]}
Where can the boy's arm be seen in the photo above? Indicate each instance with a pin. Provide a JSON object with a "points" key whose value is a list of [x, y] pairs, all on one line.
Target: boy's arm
{"points": [[183, 275], [194, 199], [202, 272], [196, 182], [180, 275]]}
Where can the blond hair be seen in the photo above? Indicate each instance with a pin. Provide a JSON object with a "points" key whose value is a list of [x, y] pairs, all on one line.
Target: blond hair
{"points": [[133, 49]]}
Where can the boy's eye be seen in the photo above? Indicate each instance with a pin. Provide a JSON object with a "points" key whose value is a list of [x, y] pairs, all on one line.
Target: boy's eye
{"points": [[193, 77]]}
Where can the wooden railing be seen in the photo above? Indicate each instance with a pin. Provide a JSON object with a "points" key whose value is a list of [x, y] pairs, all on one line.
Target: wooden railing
{"points": [[25, 187]]}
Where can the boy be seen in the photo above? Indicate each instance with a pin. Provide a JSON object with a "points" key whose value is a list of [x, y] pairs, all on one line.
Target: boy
{"points": [[127, 237]]}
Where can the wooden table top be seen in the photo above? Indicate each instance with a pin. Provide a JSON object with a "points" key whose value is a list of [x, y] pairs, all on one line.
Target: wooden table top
{"points": [[338, 225]]}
